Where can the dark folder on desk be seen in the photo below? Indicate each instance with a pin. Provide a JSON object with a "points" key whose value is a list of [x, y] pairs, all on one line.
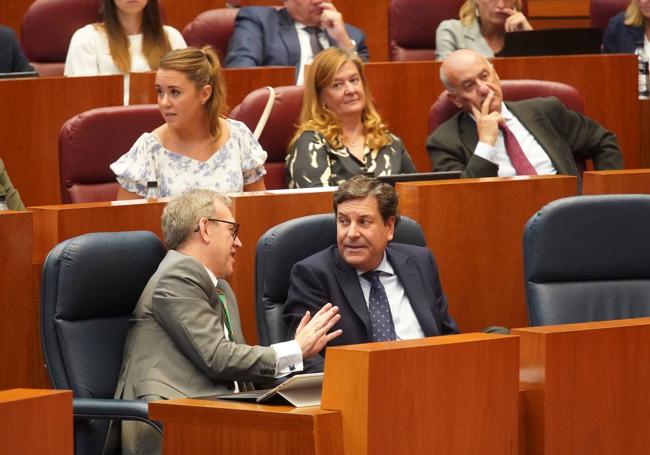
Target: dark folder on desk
{"points": [[552, 41]]}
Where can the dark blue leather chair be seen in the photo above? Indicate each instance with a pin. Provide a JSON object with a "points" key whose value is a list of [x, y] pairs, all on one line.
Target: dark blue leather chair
{"points": [[587, 258], [290, 242], [90, 286]]}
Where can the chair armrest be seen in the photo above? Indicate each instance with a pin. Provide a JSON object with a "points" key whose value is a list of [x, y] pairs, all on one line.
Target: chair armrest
{"points": [[108, 409]]}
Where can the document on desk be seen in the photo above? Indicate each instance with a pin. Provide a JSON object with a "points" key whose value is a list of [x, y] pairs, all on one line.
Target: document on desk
{"points": [[299, 390]]}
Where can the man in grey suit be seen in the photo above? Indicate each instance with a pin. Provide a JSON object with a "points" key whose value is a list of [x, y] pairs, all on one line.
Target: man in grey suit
{"points": [[187, 340], [491, 138]]}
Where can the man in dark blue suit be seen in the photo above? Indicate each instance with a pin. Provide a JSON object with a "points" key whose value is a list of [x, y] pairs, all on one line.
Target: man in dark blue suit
{"points": [[383, 291], [12, 59], [290, 36]]}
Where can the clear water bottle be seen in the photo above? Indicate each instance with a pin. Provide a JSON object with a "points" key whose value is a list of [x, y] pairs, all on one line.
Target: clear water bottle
{"points": [[152, 190], [3, 202], [643, 70]]}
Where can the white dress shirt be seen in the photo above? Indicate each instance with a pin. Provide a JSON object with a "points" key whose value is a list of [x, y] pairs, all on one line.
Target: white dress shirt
{"points": [[406, 323], [529, 145]]}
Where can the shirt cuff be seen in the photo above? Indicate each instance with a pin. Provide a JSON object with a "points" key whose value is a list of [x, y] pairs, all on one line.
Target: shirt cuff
{"points": [[289, 357], [486, 151]]}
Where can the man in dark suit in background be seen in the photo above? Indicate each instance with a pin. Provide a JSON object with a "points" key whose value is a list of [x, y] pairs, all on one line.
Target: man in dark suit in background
{"points": [[290, 36], [12, 59], [383, 291], [490, 138]]}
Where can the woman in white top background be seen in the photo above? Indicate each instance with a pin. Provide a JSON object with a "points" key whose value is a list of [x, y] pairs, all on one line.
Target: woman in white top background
{"points": [[130, 39], [197, 146]]}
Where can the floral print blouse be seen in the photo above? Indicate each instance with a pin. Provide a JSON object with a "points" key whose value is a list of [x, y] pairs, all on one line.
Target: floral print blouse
{"points": [[238, 162]]}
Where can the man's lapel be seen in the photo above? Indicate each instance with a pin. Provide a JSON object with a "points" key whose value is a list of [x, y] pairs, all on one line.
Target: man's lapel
{"points": [[289, 37], [536, 125], [414, 288], [349, 282]]}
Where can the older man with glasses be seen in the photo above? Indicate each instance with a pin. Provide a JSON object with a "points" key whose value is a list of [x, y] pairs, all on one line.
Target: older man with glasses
{"points": [[187, 340]]}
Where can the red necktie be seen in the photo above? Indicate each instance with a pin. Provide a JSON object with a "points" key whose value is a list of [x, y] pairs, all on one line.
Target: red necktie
{"points": [[517, 158]]}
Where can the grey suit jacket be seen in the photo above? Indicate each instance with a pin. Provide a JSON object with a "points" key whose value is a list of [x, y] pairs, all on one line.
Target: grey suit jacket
{"points": [[452, 35], [177, 347], [563, 134]]}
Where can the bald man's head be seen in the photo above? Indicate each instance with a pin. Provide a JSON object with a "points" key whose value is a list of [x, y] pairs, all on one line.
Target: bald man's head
{"points": [[469, 77]]}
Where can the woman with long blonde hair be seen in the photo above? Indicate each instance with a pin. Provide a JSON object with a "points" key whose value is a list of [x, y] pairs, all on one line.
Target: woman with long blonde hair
{"points": [[197, 146], [481, 26], [341, 133], [629, 28]]}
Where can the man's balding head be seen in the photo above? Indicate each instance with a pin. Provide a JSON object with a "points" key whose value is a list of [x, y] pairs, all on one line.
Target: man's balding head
{"points": [[469, 77]]}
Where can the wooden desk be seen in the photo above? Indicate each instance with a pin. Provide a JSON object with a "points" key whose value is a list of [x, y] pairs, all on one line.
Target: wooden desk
{"points": [[239, 83], [34, 422], [426, 396], [227, 428], [34, 111], [21, 362], [585, 387], [475, 229], [445, 389], [629, 181]]}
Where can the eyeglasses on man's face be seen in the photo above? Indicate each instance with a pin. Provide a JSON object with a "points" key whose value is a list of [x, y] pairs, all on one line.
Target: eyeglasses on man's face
{"points": [[233, 231]]}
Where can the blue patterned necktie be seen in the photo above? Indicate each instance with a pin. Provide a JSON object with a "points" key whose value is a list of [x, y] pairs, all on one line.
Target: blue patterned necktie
{"points": [[382, 327]]}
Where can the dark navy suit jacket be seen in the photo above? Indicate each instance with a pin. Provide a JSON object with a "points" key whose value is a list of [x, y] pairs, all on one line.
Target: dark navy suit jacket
{"points": [[326, 277], [621, 38], [12, 59], [265, 36]]}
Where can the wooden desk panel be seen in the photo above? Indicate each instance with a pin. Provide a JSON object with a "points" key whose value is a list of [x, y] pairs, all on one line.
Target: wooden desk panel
{"points": [[558, 8], [408, 397], [404, 93], [21, 362], [616, 107], [228, 428], [35, 109], [53, 224], [629, 181], [585, 387], [475, 229], [34, 422], [239, 83]]}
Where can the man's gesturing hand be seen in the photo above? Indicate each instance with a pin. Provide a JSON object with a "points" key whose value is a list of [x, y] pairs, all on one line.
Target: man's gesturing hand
{"points": [[311, 333]]}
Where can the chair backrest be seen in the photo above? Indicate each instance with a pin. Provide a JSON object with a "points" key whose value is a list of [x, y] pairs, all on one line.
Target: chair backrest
{"points": [[587, 258], [513, 90], [279, 129], [290, 242], [91, 141], [90, 286], [48, 26], [213, 27], [601, 11], [412, 27]]}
